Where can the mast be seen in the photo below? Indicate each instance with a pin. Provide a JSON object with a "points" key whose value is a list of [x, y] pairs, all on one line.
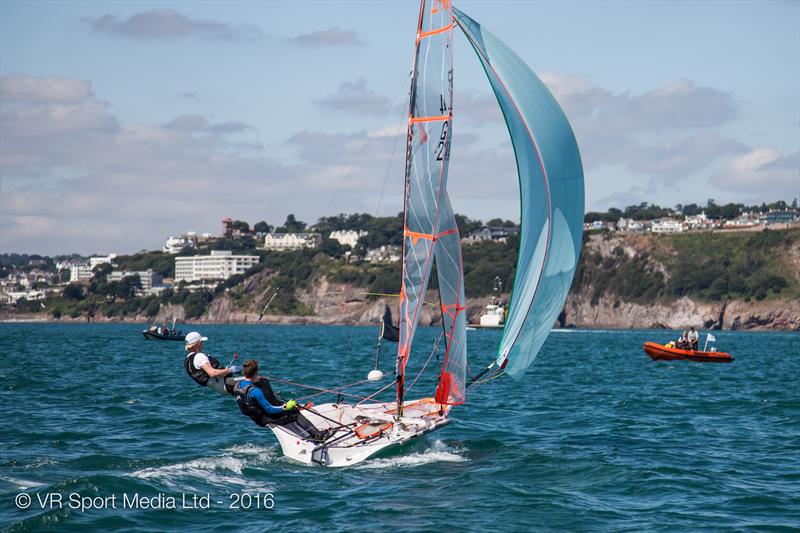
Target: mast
{"points": [[427, 156]]}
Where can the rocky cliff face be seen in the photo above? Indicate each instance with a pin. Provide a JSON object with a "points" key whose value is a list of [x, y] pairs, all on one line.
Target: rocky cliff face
{"points": [[681, 314], [332, 303], [336, 303]]}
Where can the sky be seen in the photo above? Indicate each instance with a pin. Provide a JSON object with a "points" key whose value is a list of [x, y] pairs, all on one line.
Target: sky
{"points": [[122, 123]]}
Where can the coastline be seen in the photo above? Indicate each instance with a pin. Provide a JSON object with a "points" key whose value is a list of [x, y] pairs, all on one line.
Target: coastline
{"points": [[578, 313]]}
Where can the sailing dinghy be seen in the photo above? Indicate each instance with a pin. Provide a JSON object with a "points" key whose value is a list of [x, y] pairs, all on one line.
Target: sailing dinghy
{"points": [[552, 202], [551, 198]]}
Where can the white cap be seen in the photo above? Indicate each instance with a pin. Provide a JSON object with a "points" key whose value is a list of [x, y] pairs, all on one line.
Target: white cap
{"points": [[194, 338]]}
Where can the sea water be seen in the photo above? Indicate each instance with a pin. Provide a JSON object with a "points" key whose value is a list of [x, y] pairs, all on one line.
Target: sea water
{"points": [[102, 430]]}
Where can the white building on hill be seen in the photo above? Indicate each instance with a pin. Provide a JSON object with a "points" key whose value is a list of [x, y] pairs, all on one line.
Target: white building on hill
{"points": [[173, 245], [384, 254], [94, 261], [79, 272], [221, 264], [348, 236], [148, 278], [667, 225], [12, 297], [291, 241]]}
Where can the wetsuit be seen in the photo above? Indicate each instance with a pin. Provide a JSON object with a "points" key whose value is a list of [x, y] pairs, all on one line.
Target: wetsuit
{"points": [[255, 401]]}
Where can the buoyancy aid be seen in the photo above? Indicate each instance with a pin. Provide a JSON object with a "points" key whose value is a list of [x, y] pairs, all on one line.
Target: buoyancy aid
{"points": [[198, 374], [249, 407]]}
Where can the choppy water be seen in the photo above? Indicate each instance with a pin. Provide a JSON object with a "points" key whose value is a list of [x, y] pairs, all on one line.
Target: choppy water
{"points": [[597, 437]]}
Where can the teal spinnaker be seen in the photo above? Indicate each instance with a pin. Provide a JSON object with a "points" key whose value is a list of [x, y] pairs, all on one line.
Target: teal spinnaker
{"points": [[551, 197]]}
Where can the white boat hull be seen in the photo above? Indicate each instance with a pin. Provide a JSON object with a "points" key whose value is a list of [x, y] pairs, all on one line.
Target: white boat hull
{"points": [[221, 385], [360, 431]]}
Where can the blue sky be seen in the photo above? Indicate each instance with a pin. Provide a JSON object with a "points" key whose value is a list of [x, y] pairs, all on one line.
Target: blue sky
{"points": [[125, 122]]}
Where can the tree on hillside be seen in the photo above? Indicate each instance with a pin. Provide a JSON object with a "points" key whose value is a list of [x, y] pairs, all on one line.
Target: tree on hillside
{"points": [[73, 291], [467, 225], [262, 227], [292, 225], [500, 223], [240, 225], [333, 248], [730, 211], [691, 210], [102, 270], [712, 210]]}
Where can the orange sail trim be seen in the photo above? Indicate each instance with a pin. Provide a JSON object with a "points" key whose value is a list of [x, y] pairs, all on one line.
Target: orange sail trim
{"points": [[436, 31], [439, 118], [455, 309], [415, 235], [445, 4]]}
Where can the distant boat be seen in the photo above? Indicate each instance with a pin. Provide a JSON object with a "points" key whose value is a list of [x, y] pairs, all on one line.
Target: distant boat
{"points": [[494, 314], [658, 352], [164, 334], [389, 331]]}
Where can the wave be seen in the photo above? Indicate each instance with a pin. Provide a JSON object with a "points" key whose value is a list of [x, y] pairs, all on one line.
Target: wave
{"points": [[439, 452], [221, 470], [21, 484]]}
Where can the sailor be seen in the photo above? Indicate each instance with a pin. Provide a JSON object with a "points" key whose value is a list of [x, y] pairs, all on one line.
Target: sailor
{"points": [[256, 400], [694, 338], [204, 369], [682, 343]]}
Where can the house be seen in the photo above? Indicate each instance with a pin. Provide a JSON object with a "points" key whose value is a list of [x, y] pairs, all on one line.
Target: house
{"points": [[667, 225], [347, 237], [148, 278], [291, 241], [490, 233], [106, 259], [12, 297], [781, 217], [220, 265], [80, 271], [385, 254], [174, 245]]}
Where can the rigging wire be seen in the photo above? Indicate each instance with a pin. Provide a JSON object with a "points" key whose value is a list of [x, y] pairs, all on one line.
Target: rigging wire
{"points": [[435, 350], [304, 386], [370, 137], [342, 182], [391, 383], [389, 166], [487, 380]]}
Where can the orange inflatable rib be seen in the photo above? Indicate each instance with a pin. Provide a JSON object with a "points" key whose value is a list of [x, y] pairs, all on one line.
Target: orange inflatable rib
{"points": [[657, 352]]}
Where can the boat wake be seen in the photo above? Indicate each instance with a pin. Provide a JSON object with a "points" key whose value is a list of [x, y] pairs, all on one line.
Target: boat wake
{"points": [[225, 470], [439, 452]]}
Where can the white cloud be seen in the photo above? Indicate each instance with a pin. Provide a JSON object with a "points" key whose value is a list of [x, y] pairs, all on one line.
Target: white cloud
{"points": [[170, 24], [326, 38], [75, 178], [43, 89], [355, 97], [763, 172]]}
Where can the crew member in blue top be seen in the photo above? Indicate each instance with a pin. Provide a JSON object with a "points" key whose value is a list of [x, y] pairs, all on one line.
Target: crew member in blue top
{"points": [[256, 400]]}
